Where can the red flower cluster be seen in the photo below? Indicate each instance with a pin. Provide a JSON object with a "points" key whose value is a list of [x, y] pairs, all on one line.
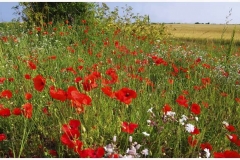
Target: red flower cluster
{"points": [[125, 95], [191, 141], [6, 94], [27, 110], [3, 137], [39, 83], [182, 101], [4, 112], [195, 108], [129, 127], [71, 134], [78, 99], [226, 154], [70, 138]]}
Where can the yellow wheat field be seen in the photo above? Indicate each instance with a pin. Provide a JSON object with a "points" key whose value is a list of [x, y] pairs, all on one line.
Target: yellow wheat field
{"points": [[204, 31]]}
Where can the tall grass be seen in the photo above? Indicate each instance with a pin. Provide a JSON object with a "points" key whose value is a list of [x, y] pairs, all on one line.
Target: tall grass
{"points": [[170, 80]]}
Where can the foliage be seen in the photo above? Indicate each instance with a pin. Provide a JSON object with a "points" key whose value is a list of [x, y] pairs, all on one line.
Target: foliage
{"points": [[93, 90], [42, 12]]}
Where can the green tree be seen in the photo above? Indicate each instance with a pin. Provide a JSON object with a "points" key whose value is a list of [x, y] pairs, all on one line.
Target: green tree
{"points": [[41, 12]]}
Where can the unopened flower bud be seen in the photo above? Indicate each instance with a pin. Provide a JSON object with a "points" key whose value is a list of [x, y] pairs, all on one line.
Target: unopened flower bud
{"points": [[130, 138], [114, 138]]}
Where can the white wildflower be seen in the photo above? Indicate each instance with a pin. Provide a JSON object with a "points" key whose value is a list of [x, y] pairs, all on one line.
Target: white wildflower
{"points": [[149, 122], [109, 148], [207, 152], [150, 110], [145, 152], [225, 123], [230, 137], [183, 119], [132, 151], [189, 128], [196, 118], [114, 138], [130, 138], [138, 146], [170, 114], [145, 134]]}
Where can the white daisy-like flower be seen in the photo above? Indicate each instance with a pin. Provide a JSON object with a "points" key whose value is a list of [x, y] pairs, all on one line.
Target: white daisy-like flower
{"points": [[149, 122], [170, 114], [138, 146], [189, 128], [130, 138], [145, 134], [114, 138], [196, 118], [207, 152], [183, 119], [145, 152], [150, 110], [225, 123], [230, 137]]}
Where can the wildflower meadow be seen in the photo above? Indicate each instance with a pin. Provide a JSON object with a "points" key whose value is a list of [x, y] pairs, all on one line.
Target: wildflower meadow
{"points": [[99, 89]]}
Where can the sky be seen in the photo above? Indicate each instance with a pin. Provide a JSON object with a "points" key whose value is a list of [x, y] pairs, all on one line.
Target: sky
{"points": [[165, 12]]}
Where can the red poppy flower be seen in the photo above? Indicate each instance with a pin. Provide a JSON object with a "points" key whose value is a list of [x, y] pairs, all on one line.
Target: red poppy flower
{"points": [[31, 65], [78, 147], [175, 69], [78, 99], [71, 133], [2, 79], [182, 101], [53, 152], [70, 69], [206, 81], [60, 94], [89, 82], [78, 79], [39, 83], [113, 155], [27, 110], [166, 108], [198, 60], [74, 123], [114, 77], [80, 68], [5, 112], [27, 76], [206, 66], [195, 108], [226, 154], [108, 91], [237, 100], [206, 145], [67, 141], [10, 79], [28, 96], [125, 95], [230, 128], [45, 111], [91, 153], [52, 57], [3, 137], [17, 111], [7, 94], [233, 138], [191, 142], [129, 127], [195, 131]]}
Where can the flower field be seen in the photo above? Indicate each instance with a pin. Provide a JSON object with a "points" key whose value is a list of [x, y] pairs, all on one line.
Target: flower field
{"points": [[92, 91]]}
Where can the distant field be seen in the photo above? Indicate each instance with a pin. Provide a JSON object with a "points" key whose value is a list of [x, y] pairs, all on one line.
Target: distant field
{"points": [[203, 31]]}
